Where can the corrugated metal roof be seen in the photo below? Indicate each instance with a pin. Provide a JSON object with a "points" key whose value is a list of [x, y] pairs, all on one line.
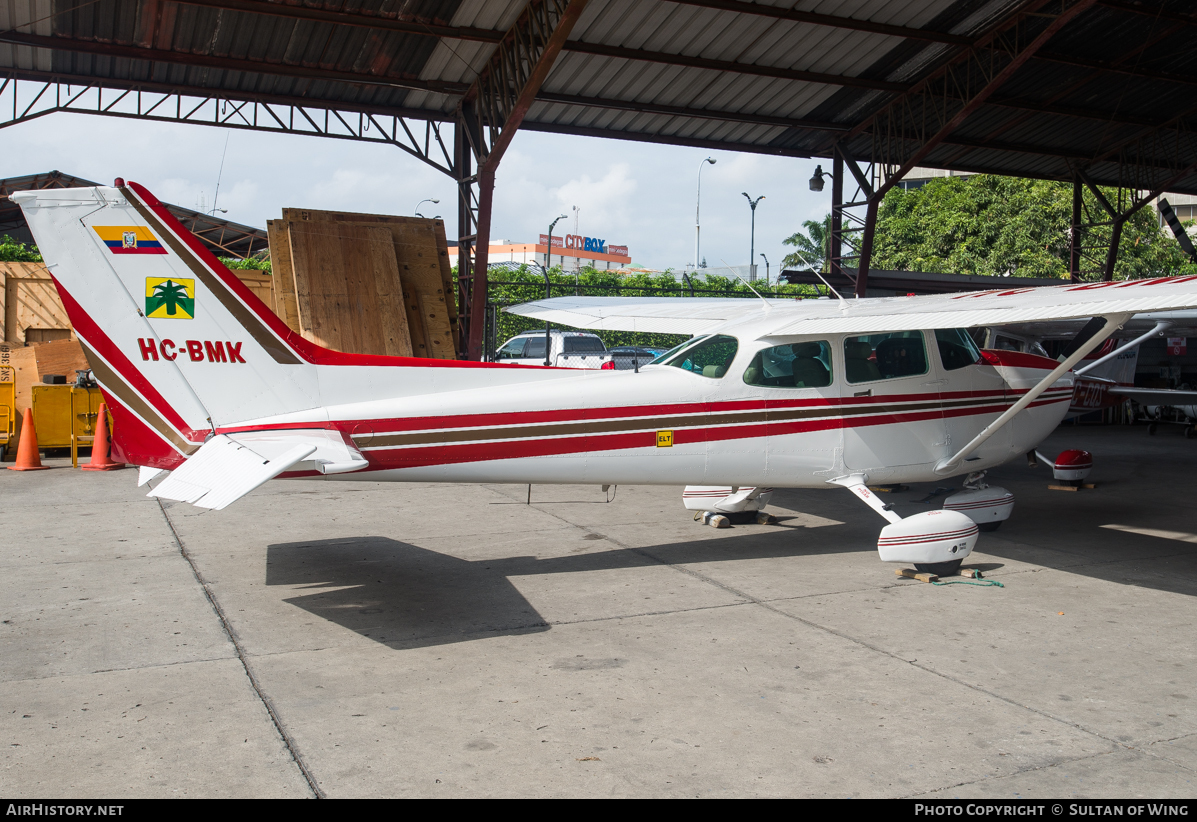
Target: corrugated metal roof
{"points": [[718, 73]]}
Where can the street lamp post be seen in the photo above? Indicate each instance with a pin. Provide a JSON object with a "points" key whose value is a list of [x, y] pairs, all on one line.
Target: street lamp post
{"points": [[752, 241], [697, 204], [766, 259], [425, 200], [548, 286]]}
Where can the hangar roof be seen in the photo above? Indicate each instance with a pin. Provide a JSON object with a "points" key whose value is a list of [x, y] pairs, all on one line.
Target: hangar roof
{"points": [[223, 238], [775, 76]]}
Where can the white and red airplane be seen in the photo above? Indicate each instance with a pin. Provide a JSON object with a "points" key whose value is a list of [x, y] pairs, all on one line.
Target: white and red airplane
{"points": [[203, 380]]}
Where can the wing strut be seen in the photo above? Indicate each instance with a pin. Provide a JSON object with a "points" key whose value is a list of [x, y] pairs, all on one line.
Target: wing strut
{"points": [[1113, 322], [1162, 325]]}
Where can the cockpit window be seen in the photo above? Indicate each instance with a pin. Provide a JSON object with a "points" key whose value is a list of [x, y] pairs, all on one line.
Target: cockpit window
{"points": [[710, 358], [956, 348], [795, 365]]}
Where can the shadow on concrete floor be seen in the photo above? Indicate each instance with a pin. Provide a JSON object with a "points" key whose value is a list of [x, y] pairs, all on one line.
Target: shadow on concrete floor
{"points": [[407, 596]]}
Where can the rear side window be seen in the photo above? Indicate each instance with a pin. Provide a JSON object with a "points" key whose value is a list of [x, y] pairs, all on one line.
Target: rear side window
{"points": [[710, 358], [589, 345], [534, 349], [796, 365], [956, 348], [884, 356]]}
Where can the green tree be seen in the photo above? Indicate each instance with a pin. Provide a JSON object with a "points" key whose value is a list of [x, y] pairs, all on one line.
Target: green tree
{"points": [[13, 252], [986, 224], [248, 264], [814, 246]]}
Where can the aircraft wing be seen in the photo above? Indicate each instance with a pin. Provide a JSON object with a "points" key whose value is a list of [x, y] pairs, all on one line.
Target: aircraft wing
{"points": [[997, 307], [662, 315], [1004, 306], [1155, 396]]}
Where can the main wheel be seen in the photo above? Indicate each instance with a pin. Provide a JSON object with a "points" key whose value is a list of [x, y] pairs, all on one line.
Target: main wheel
{"points": [[940, 569], [1191, 432], [1151, 428]]}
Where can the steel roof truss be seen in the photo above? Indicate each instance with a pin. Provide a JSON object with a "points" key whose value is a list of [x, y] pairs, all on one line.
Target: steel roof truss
{"points": [[225, 112], [906, 130]]}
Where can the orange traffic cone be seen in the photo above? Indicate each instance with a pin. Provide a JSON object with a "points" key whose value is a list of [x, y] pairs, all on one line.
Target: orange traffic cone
{"points": [[28, 459], [99, 447]]}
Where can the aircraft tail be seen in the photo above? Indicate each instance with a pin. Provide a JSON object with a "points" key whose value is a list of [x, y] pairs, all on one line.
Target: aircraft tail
{"points": [[178, 344]]}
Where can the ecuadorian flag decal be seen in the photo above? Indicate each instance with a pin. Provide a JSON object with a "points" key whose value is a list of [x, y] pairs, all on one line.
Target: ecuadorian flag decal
{"points": [[169, 298], [129, 239]]}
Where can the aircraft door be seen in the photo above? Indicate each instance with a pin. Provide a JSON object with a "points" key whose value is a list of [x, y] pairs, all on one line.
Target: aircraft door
{"points": [[797, 381], [974, 394], [890, 396]]}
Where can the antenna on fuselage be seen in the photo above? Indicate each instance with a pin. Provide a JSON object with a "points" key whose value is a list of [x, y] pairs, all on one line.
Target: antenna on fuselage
{"points": [[843, 303], [750, 288]]}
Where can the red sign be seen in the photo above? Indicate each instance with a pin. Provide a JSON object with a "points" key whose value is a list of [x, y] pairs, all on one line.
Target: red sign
{"points": [[558, 242], [1177, 346]]}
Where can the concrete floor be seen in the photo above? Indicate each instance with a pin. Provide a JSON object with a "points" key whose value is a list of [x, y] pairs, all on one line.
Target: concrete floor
{"points": [[433, 640]]}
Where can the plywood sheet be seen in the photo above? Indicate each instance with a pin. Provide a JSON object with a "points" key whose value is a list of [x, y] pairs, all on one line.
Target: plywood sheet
{"points": [[282, 275], [422, 254], [347, 288]]}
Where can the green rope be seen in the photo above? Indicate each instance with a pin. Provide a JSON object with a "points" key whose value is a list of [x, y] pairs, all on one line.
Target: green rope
{"points": [[985, 583]]}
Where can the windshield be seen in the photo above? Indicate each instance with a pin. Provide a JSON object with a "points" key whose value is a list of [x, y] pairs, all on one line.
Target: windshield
{"points": [[710, 358], [661, 358]]}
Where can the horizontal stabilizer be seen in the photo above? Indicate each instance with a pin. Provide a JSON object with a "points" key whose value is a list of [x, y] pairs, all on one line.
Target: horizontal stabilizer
{"points": [[223, 471], [145, 473], [1156, 396]]}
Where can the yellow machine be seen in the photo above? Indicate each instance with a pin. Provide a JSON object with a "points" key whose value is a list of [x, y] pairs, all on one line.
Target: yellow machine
{"points": [[65, 416]]}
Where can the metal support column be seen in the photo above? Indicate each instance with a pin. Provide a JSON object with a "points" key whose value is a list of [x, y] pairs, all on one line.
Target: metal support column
{"points": [[488, 116], [836, 251], [1107, 274], [866, 247], [1074, 239]]}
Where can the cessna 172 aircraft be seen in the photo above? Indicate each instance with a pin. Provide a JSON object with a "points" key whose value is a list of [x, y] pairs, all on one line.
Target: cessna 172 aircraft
{"points": [[206, 382]]}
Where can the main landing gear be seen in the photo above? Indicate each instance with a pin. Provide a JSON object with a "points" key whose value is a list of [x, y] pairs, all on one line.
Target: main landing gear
{"points": [[937, 542], [721, 505]]}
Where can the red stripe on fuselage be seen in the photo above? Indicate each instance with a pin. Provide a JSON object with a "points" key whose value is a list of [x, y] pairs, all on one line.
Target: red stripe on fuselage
{"points": [[458, 453], [381, 426]]}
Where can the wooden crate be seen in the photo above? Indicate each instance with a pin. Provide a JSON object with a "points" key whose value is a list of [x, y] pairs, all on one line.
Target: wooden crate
{"points": [[347, 288], [30, 310], [421, 254]]}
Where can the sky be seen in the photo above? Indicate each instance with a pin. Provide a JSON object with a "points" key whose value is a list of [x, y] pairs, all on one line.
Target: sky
{"points": [[636, 194]]}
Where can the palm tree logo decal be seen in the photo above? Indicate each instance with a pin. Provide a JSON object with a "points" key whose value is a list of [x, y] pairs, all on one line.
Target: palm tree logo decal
{"points": [[169, 298]]}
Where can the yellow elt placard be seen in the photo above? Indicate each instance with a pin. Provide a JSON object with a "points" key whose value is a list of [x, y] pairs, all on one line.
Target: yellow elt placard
{"points": [[664, 439]]}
